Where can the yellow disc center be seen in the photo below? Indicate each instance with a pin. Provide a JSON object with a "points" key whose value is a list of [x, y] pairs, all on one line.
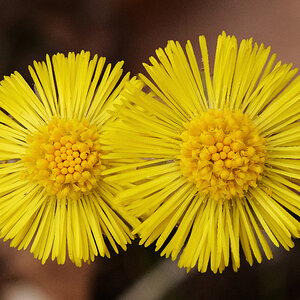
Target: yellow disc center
{"points": [[64, 157], [222, 153]]}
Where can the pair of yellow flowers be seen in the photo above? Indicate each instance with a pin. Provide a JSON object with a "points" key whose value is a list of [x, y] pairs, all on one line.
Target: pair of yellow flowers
{"points": [[204, 166]]}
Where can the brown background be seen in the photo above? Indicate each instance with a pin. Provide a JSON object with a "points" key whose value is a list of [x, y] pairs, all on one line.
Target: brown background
{"points": [[132, 30]]}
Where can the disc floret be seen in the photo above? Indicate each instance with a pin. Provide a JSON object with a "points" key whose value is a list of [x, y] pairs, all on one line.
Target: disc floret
{"points": [[222, 153], [64, 157]]}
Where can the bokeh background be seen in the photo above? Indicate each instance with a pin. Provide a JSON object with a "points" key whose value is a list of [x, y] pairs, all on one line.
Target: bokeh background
{"points": [[131, 30]]}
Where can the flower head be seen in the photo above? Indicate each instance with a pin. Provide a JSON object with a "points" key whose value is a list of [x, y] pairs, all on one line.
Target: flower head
{"points": [[52, 193], [212, 162]]}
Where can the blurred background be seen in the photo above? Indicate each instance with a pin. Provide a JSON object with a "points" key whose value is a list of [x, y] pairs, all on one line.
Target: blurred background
{"points": [[131, 30]]}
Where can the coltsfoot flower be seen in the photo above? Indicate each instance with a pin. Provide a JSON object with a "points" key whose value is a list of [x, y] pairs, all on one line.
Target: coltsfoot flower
{"points": [[52, 193], [211, 165]]}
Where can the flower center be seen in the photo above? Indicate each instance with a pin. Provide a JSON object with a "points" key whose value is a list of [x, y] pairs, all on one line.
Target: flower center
{"points": [[64, 157], [222, 153]]}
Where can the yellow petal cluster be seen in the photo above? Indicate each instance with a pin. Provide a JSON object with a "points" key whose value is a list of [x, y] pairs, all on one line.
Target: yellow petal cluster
{"points": [[53, 197], [210, 163]]}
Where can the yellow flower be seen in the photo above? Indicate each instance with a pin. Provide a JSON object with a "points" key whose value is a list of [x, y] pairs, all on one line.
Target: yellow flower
{"points": [[52, 194], [212, 164]]}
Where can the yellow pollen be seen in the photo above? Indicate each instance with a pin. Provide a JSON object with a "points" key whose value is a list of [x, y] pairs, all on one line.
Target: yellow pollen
{"points": [[212, 149], [52, 165], [83, 155], [68, 146], [219, 146], [57, 153], [56, 172], [75, 154], [49, 157], [58, 159], [226, 149], [84, 164], [63, 140], [69, 152], [72, 163], [64, 157], [76, 175], [74, 148], [60, 165], [77, 161], [79, 168], [215, 156], [222, 153], [57, 145]]}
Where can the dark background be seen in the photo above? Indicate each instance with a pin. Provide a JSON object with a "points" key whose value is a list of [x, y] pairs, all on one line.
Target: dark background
{"points": [[131, 30]]}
